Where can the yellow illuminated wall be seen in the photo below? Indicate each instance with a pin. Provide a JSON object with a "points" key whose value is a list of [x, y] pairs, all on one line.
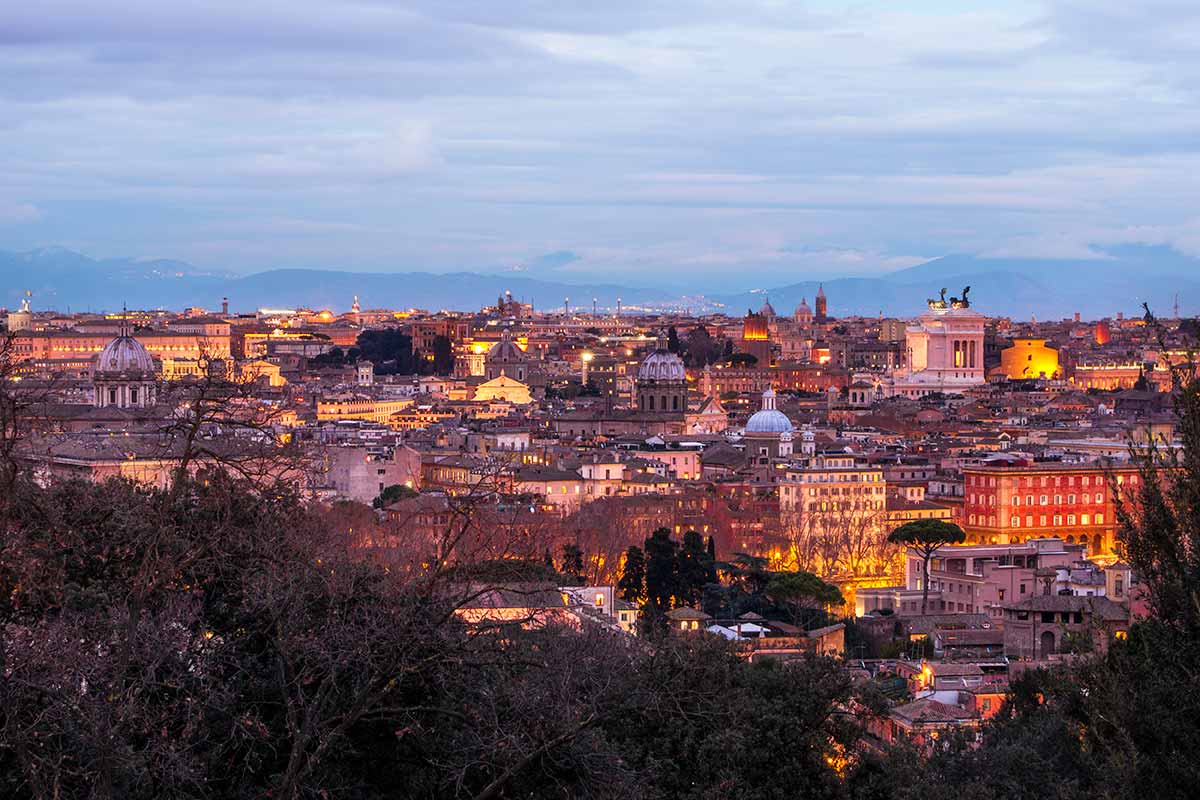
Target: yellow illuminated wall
{"points": [[1029, 358]]}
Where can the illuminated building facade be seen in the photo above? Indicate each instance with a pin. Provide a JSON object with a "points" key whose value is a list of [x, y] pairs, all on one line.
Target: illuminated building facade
{"points": [[1029, 358], [756, 339], [945, 350], [718, 379], [69, 345], [341, 407], [1014, 503]]}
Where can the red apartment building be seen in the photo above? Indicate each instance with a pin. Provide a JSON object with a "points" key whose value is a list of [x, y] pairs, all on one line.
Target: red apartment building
{"points": [[1014, 503]]}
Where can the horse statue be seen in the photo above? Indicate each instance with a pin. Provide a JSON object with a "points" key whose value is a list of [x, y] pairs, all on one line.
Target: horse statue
{"points": [[962, 302], [934, 304]]}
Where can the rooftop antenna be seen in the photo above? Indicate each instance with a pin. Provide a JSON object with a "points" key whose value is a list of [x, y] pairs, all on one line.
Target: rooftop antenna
{"points": [[1177, 305]]}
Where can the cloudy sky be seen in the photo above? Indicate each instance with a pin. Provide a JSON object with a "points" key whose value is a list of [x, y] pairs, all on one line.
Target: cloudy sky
{"points": [[648, 141]]}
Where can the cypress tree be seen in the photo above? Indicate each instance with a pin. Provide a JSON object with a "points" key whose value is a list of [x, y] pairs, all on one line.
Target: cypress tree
{"points": [[632, 583]]}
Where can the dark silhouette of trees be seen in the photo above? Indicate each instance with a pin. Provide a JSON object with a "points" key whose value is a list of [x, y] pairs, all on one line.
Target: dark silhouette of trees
{"points": [[572, 560], [392, 494], [702, 349], [692, 569], [802, 592], [632, 583], [660, 570], [443, 355], [390, 350]]}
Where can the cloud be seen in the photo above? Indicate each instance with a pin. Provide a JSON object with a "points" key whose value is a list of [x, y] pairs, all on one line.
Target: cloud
{"points": [[678, 142], [15, 213]]}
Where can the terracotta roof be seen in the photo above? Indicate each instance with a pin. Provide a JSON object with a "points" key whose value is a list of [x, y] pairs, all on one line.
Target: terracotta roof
{"points": [[1100, 607]]}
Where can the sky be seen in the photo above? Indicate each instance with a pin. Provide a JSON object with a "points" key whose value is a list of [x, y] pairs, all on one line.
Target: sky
{"points": [[713, 144]]}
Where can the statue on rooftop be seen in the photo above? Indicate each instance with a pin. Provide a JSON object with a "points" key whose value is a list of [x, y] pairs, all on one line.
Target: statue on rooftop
{"points": [[963, 302], [938, 304]]}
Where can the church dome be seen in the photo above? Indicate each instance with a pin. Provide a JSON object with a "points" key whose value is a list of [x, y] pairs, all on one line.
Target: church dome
{"points": [[769, 419], [767, 309], [505, 351], [124, 355], [662, 365]]}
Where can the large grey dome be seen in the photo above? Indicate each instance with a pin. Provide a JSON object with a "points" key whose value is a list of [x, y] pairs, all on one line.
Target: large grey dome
{"points": [[123, 356], [662, 365]]}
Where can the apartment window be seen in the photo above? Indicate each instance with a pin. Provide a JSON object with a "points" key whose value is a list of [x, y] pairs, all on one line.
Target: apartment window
{"points": [[599, 599], [1028, 499], [1029, 520], [1001, 591], [1022, 588], [1058, 499], [1042, 521], [1048, 617], [1016, 521], [1045, 500], [1099, 519], [1099, 497], [1085, 519], [1017, 500], [1070, 519], [1058, 519]]}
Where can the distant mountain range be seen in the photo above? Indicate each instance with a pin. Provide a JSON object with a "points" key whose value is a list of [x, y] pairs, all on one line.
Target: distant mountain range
{"points": [[1018, 288], [65, 280]]}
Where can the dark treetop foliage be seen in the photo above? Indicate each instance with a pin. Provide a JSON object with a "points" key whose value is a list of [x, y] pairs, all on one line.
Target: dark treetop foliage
{"points": [[217, 642]]}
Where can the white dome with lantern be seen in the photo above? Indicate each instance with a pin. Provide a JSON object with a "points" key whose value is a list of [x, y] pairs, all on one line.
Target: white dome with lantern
{"points": [[769, 419]]}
